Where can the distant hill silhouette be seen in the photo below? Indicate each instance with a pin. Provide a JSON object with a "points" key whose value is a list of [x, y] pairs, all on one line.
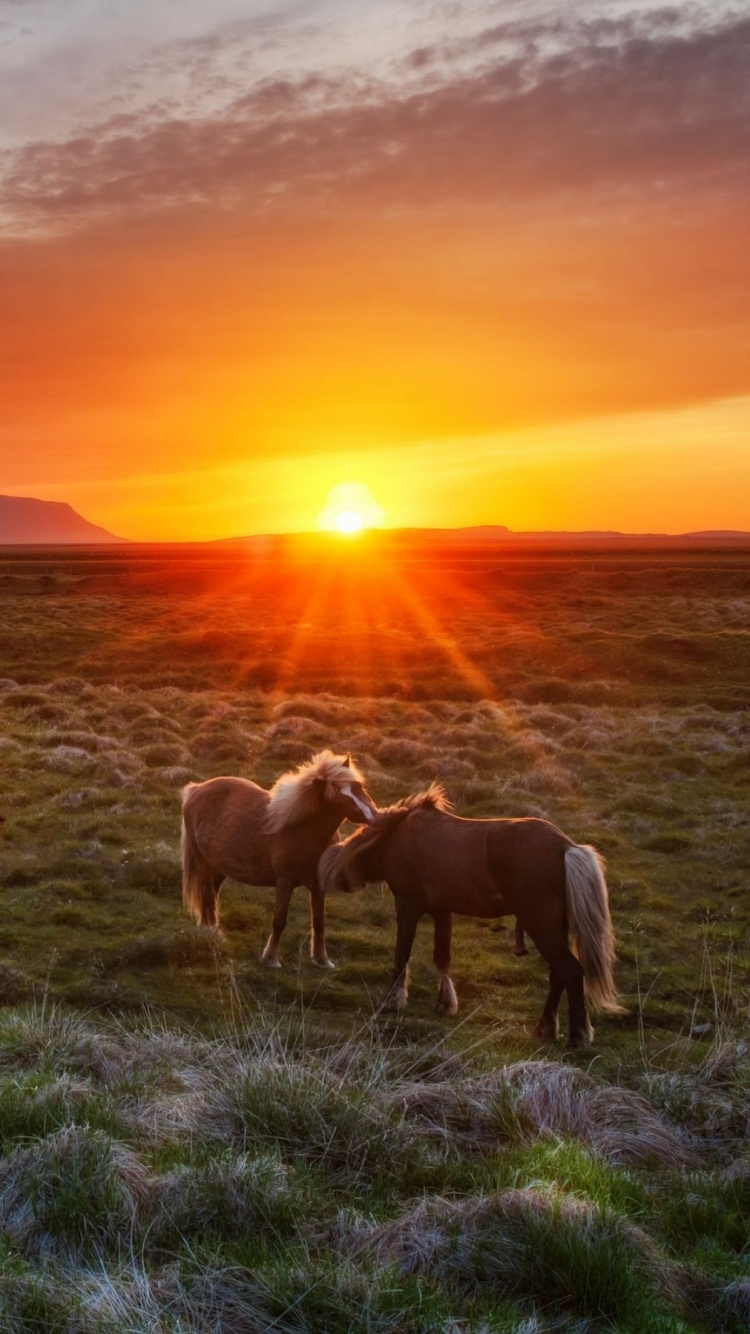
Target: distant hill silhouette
{"points": [[28, 522], [489, 535]]}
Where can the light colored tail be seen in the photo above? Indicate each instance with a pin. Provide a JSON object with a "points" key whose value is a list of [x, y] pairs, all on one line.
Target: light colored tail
{"points": [[198, 892], [591, 925]]}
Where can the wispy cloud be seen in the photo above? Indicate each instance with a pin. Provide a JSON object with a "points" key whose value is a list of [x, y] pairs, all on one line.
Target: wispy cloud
{"points": [[615, 105]]}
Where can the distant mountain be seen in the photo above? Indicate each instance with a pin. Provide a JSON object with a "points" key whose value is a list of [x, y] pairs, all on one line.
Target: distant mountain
{"points": [[28, 522], [489, 534], [499, 533]]}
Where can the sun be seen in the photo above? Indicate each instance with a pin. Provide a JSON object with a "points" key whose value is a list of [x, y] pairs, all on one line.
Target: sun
{"points": [[348, 522], [349, 510]]}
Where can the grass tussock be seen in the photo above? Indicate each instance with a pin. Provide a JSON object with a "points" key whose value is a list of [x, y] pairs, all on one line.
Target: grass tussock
{"points": [[309, 1114], [156, 1177], [257, 1198], [537, 1245], [529, 1100], [75, 1191]]}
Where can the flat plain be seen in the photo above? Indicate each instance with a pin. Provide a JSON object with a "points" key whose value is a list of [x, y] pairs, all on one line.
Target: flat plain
{"points": [[389, 1174]]}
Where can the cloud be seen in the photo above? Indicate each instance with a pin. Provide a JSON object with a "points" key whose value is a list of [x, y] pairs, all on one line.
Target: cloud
{"points": [[620, 106]]}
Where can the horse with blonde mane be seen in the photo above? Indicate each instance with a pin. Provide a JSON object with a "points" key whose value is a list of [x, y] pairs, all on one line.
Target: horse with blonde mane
{"points": [[436, 863], [233, 827]]}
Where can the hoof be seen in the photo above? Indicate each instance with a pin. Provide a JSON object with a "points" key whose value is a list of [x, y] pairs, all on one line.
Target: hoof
{"points": [[323, 963], [394, 1002], [520, 953], [548, 1032], [447, 1001], [578, 1040], [270, 963]]}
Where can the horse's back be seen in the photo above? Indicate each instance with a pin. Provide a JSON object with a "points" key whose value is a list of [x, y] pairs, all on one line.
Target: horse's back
{"points": [[226, 817], [514, 842], [477, 867], [444, 859], [526, 858], [229, 783]]}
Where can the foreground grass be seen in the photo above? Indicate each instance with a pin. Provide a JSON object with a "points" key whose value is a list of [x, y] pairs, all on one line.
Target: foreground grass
{"points": [[264, 1177]]}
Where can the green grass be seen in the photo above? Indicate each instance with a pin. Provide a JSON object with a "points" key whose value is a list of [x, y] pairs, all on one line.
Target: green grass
{"points": [[189, 1141]]}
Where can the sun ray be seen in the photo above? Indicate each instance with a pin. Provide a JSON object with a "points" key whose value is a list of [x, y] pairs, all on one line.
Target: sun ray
{"points": [[506, 715]]}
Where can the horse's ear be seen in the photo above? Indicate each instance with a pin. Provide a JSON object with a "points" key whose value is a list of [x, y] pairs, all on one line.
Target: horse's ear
{"points": [[348, 760]]}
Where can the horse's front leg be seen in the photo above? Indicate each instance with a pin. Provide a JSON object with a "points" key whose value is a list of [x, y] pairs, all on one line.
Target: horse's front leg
{"points": [[407, 919], [447, 1001], [284, 891], [318, 952]]}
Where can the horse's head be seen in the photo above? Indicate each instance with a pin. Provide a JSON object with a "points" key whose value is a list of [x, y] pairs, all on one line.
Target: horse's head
{"points": [[358, 860], [345, 791], [326, 783]]}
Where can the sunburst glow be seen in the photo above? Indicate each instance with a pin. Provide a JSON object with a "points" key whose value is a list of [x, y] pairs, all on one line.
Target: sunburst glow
{"points": [[349, 509]]}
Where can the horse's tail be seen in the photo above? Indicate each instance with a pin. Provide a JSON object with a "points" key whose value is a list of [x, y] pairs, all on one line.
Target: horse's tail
{"points": [[198, 883], [591, 925]]}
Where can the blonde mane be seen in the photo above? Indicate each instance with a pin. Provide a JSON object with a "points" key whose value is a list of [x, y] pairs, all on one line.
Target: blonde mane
{"points": [[341, 856], [433, 797], [294, 797]]}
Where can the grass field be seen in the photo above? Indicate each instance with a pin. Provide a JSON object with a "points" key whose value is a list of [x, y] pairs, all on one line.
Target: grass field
{"points": [[194, 1143]]}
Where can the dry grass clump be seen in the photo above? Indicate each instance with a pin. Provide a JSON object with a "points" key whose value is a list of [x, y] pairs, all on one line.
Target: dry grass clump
{"points": [[33, 1105], [53, 1037], [77, 1191], [308, 1113], [534, 1244], [712, 1098], [69, 759], [735, 1300], [257, 1198], [529, 1100], [35, 1301]]}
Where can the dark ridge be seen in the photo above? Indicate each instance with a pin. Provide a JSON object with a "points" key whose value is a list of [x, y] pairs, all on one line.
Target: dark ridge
{"points": [[25, 521]]}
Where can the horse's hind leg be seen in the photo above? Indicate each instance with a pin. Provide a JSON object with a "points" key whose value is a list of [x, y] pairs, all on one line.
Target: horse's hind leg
{"points": [[447, 1001], [407, 919], [519, 944], [548, 1027], [284, 891], [566, 974], [318, 952]]}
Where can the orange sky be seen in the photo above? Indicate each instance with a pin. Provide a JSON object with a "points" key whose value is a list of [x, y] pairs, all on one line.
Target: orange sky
{"points": [[491, 262]]}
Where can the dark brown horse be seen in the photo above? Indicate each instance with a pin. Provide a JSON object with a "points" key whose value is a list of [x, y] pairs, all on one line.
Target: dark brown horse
{"points": [[439, 864], [232, 827]]}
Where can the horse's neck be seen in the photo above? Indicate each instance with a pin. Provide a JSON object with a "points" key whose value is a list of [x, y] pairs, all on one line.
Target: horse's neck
{"points": [[320, 828], [328, 822]]}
